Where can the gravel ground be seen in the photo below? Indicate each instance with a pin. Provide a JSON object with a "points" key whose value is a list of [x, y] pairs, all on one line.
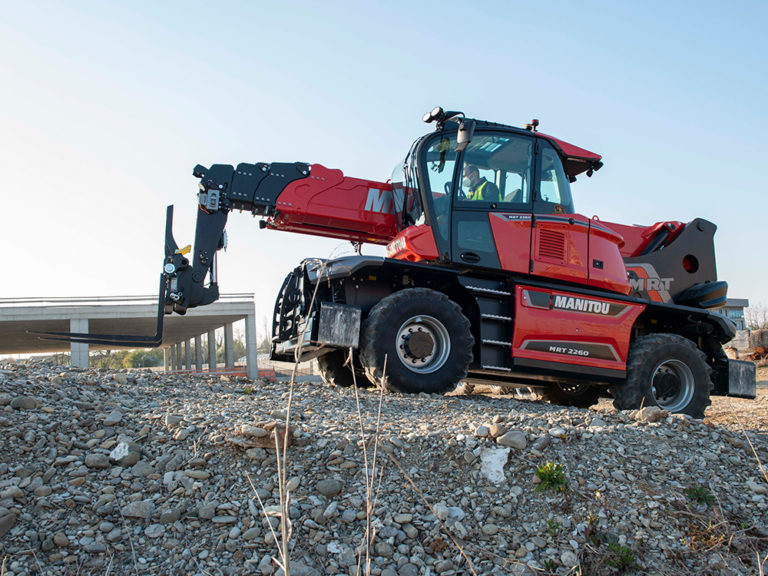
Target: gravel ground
{"points": [[107, 472]]}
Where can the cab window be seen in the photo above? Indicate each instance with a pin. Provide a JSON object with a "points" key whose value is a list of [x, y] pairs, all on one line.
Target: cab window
{"points": [[554, 195], [496, 172], [441, 167]]}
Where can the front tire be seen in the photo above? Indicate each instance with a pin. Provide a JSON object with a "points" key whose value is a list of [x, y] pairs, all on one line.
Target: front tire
{"points": [[425, 338], [668, 371], [335, 373]]}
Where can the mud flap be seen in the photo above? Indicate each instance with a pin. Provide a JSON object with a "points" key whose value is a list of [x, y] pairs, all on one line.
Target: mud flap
{"points": [[742, 379]]}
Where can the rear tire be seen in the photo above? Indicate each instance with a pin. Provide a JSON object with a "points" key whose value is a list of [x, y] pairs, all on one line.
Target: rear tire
{"points": [[425, 338], [335, 373], [577, 395], [668, 371]]}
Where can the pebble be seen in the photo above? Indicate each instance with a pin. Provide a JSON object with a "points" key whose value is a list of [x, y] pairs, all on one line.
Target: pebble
{"points": [[513, 439], [329, 487]]}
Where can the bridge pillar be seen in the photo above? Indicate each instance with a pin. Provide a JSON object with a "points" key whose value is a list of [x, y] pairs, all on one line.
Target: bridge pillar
{"points": [[251, 355], [199, 353], [78, 351], [229, 351], [212, 350]]}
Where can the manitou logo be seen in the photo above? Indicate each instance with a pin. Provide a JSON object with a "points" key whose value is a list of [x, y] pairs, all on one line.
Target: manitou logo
{"points": [[650, 283], [381, 201], [582, 305]]}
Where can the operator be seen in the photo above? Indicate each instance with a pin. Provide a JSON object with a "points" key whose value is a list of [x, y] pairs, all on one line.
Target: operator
{"points": [[479, 188]]}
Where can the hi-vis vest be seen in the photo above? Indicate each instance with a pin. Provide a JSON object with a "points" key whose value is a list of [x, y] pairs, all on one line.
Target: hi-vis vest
{"points": [[476, 194]]}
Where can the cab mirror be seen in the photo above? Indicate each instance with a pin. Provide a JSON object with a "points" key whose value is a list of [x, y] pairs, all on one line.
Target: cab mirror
{"points": [[464, 136]]}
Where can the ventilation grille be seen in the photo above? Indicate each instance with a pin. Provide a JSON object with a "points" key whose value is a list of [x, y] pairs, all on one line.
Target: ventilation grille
{"points": [[552, 245]]}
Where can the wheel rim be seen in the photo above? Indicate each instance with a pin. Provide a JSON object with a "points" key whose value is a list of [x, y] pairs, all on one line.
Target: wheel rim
{"points": [[423, 344], [673, 385]]}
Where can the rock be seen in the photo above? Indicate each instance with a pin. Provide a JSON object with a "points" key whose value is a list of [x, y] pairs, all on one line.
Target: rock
{"points": [[597, 423], [61, 540], [6, 523], [141, 509], [125, 453], [251, 533], [170, 516], [329, 487], [113, 418], [208, 511], [24, 403], [541, 442], [224, 519], [490, 529], [497, 430], [513, 439], [651, 414], [403, 518], [252, 431], [97, 460], [557, 432], [569, 559], [482, 431], [757, 488], [154, 531], [492, 462]]}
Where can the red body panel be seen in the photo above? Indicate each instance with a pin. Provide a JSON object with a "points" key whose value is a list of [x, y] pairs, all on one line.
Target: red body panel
{"points": [[558, 326], [414, 244], [512, 234], [330, 204], [561, 247], [636, 238], [606, 266]]}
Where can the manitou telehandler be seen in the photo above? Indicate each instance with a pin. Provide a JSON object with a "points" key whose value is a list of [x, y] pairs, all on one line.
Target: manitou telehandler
{"points": [[490, 276]]}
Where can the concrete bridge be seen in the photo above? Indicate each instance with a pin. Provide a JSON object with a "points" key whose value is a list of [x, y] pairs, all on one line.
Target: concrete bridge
{"points": [[131, 315]]}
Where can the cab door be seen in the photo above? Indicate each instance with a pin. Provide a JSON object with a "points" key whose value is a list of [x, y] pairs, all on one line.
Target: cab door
{"points": [[494, 231], [560, 239]]}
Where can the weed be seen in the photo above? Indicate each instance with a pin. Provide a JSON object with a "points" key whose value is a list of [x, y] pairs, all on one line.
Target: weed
{"points": [[551, 476], [623, 558], [550, 565], [553, 526], [247, 390], [700, 494]]}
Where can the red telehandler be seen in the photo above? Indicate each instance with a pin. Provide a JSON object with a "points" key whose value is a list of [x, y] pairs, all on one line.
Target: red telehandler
{"points": [[490, 276]]}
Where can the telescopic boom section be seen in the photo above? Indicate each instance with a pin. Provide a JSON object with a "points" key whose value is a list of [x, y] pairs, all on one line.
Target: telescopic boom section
{"points": [[295, 197]]}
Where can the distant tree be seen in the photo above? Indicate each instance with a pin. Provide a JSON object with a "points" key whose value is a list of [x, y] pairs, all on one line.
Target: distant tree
{"points": [[238, 347], [144, 358], [756, 317], [265, 341], [108, 359]]}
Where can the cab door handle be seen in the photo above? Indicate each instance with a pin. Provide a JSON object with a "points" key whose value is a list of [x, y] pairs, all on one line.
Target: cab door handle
{"points": [[470, 257]]}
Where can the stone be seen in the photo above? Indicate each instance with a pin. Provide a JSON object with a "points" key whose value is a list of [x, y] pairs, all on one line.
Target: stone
{"points": [[154, 531], [6, 523], [513, 439], [492, 465], [113, 418], [61, 540], [651, 414], [569, 559], [141, 509], [329, 487], [24, 403], [482, 431], [97, 460]]}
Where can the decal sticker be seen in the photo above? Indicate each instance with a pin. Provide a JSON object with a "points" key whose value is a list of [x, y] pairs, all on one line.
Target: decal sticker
{"points": [[578, 349], [545, 300], [645, 278]]}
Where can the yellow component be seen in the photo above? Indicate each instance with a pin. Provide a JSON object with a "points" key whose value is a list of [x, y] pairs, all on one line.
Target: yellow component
{"points": [[186, 250], [371, 277]]}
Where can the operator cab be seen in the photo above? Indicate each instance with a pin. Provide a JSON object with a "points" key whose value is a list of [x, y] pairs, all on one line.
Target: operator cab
{"points": [[499, 197]]}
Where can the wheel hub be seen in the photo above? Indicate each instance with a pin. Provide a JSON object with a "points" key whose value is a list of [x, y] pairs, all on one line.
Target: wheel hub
{"points": [[423, 344], [419, 344], [673, 385]]}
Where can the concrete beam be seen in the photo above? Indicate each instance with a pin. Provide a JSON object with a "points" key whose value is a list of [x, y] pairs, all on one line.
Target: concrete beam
{"points": [[178, 355], [165, 359], [78, 351]]}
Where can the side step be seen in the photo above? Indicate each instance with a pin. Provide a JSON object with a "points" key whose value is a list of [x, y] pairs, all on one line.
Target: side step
{"points": [[497, 305]]}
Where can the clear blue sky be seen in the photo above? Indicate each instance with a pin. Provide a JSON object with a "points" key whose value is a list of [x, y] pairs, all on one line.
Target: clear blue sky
{"points": [[106, 107]]}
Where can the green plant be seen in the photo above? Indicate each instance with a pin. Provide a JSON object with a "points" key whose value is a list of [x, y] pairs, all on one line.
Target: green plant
{"points": [[551, 477], [247, 390], [553, 526], [550, 565], [700, 494], [623, 558]]}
